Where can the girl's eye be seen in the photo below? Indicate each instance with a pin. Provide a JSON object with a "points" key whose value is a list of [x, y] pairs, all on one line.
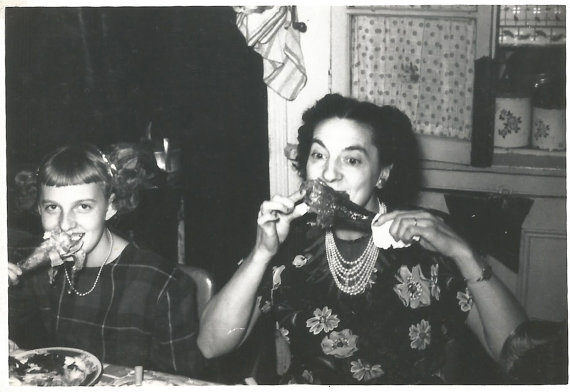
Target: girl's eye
{"points": [[50, 208], [84, 207]]}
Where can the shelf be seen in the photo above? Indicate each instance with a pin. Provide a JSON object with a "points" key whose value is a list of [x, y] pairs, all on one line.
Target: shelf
{"points": [[519, 180], [529, 158], [515, 45]]}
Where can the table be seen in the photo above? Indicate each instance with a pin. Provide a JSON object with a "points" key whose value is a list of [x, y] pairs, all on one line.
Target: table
{"points": [[114, 375]]}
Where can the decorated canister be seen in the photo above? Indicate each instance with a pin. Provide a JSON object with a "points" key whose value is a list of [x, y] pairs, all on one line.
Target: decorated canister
{"points": [[548, 113], [549, 128], [512, 121]]}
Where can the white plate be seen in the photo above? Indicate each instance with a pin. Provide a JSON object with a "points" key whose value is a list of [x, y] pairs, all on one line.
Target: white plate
{"points": [[88, 367]]}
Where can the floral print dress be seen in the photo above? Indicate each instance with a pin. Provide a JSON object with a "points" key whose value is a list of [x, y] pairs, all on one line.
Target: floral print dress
{"points": [[393, 333]]}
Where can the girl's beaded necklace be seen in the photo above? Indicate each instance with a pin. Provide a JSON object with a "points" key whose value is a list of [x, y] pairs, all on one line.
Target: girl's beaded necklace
{"points": [[352, 277], [98, 273]]}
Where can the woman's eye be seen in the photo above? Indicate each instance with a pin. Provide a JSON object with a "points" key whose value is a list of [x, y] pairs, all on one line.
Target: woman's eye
{"points": [[317, 155], [353, 161], [84, 207]]}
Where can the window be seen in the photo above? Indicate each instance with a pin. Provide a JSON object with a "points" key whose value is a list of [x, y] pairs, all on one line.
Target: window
{"points": [[418, 58]]}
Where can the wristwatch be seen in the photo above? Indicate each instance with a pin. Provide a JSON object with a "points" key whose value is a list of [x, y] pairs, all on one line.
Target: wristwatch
{"points": [[486, 274]]}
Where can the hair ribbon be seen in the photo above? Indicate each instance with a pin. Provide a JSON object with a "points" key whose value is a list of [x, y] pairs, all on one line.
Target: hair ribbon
{"points": [[111, 166]]}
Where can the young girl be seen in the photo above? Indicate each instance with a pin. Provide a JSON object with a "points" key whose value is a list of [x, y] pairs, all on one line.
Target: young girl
{"points": [[126, 305]]}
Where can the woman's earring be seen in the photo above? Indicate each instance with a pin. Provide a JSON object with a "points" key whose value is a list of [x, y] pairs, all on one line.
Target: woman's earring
{"points": [[380, 183]]}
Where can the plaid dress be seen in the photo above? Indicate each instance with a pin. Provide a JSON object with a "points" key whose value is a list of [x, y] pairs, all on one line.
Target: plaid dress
{"points": [[141, 312]]}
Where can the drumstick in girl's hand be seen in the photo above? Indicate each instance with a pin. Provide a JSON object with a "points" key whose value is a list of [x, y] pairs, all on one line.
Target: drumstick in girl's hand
{"points": [[58, 247]]}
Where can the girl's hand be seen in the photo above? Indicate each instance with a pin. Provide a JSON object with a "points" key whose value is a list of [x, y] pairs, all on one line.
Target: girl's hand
{"points": [[274, 221], [12, 347], [14, 272], [429, 230]]}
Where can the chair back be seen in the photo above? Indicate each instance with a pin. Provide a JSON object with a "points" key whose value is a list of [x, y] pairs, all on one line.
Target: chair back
{"points": [[204, 284]]}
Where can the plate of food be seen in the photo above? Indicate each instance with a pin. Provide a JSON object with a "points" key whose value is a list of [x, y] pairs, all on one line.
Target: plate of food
{"points": [[54, 366]]}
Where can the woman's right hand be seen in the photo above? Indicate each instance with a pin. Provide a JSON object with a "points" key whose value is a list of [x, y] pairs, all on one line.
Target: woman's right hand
{"points": [[274, 221], [14, 272]]}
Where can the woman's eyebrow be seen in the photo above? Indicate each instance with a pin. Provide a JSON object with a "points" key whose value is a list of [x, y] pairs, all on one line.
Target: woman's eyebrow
{"points": [[349, 148], [357, 148], [319, 142]]}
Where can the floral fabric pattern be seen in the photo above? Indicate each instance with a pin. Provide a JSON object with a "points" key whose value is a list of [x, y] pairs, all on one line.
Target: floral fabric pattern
{"points": [[266, 307], [299, 261], [433, 284], [340, 344], [365, 372], [420, 335], [323, 320], [307, 375], [414, 288], [277, 276], [465, 300], [404, 318], [284, 332]]}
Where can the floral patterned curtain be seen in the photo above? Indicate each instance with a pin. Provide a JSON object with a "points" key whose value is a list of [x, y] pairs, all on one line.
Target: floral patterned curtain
{"points": [[424, 66]]}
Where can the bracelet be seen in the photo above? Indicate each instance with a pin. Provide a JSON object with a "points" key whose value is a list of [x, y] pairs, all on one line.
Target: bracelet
{"points": [[486, 274]]}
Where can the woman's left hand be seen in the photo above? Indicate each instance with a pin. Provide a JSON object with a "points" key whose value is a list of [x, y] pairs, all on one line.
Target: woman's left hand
{"points": [[429, 230]]}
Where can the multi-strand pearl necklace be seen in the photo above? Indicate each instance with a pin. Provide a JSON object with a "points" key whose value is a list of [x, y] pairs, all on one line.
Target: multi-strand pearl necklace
{"points": [[352, 277], [110, 236]]}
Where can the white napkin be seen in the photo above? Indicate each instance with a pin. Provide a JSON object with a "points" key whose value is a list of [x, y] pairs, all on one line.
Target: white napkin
{"points": [[382, 237]]}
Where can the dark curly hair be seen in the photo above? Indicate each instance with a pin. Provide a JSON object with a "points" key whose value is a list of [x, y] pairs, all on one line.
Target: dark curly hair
{"points": [[123, 171], [391, 134]]}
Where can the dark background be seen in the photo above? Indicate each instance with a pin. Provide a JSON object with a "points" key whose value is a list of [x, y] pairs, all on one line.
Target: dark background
{"points": [[101, 75]]}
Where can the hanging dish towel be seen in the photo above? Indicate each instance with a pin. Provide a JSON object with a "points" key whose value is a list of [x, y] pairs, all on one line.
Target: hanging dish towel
{"points": [[269, 31]]}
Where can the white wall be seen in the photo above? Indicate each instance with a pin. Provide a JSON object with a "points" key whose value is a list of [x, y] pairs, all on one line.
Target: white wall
{"points": [[285, 116]]}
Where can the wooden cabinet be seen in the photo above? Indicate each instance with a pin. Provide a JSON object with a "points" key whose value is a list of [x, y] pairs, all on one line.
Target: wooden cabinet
{"points": [[542, 279]]}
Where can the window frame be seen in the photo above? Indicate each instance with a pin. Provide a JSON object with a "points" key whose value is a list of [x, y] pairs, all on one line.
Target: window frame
{"points": [[431, 148]]}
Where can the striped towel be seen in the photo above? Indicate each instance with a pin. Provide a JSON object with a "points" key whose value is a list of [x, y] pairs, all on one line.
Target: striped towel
{"points": [[269, 31]]}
